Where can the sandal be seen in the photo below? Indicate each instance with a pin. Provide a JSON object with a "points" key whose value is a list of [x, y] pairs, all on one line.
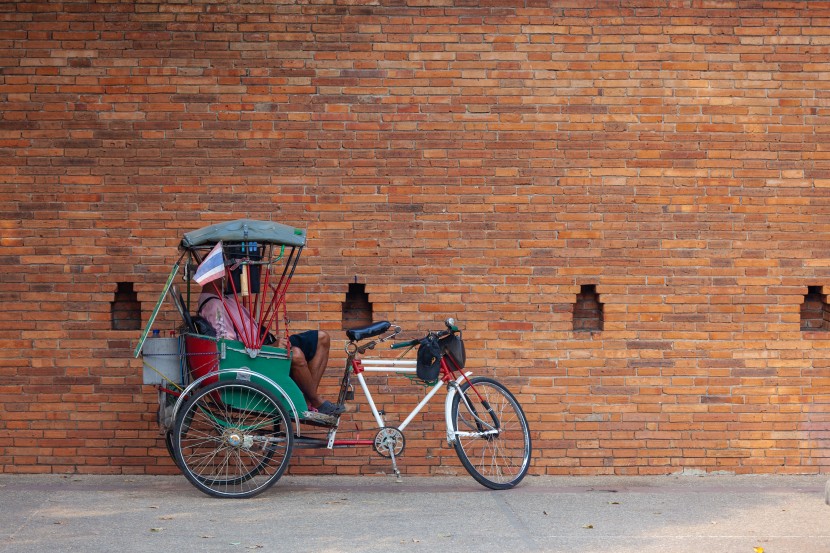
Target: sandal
{"points": [[329, 408]]}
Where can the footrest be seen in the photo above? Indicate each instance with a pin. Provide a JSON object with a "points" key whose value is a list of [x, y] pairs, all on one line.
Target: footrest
{"points": [[319, 418]]}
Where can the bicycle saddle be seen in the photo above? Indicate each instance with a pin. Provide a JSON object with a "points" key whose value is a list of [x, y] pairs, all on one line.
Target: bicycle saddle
{"points": [[374, 329]]}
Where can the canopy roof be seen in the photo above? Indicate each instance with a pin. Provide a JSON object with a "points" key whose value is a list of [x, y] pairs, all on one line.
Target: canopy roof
{"points": [[266, 232]]}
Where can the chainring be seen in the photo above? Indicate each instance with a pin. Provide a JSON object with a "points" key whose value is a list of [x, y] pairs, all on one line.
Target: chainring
{"points": [[388, 438]]}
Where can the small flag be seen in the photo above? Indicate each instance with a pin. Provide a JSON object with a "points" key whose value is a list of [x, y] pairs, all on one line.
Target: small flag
{"points": [[212, 267]]}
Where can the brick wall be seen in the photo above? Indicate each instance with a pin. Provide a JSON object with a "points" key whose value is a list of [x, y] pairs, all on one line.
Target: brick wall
{"points": [[482, 161]]}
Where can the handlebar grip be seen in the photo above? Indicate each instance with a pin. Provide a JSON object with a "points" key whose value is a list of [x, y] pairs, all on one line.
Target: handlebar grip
{"points": [[404, 344]]}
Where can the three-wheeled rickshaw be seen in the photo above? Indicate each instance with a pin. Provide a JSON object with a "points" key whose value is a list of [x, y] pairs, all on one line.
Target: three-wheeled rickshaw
{"points": [[231, 413]]}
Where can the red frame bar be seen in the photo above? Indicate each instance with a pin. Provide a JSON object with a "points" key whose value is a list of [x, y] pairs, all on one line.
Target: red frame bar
{"points": [[448, 373], [249, 334]]}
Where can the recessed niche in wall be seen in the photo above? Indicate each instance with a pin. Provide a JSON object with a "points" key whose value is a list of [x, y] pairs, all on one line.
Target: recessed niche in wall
{"points": [[357, 310], [126, 309], [815, 313], [587, 314]]}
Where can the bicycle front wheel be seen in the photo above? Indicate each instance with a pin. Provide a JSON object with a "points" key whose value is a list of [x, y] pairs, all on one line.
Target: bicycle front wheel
{"points": [[232, 439], [490, 432]]}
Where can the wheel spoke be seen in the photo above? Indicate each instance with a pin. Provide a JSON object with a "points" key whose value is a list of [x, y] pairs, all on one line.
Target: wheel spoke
{"points": [[232, 439]]}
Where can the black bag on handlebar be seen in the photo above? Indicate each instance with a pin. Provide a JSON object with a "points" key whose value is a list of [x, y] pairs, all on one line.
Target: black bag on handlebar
{"points": [[454, 345], [429, 359]]}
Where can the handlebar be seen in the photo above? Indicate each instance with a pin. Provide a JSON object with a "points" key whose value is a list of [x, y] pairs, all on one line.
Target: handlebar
{"points": [[406, 344], [378, 328], [451, 328]]}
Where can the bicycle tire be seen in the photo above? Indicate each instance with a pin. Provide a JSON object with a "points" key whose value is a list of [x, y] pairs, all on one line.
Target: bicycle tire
{"points": [[232, 449], [493, 445], [168, 442]]}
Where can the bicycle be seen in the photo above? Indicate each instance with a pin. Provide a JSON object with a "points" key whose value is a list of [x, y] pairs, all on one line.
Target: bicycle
{"points": [[484, 422]]}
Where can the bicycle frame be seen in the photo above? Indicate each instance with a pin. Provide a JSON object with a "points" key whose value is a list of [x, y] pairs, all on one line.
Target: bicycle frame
{"points": [[356, 366]]}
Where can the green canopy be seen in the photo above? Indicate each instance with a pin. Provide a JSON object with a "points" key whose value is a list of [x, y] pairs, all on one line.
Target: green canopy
{"points": [[265, 232]]}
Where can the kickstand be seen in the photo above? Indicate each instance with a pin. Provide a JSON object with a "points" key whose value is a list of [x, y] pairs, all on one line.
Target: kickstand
{"points": [[398, 478]]}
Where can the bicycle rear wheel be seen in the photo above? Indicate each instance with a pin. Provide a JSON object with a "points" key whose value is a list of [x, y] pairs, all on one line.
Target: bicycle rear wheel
{"points": [[232, 439], [490, 431]]}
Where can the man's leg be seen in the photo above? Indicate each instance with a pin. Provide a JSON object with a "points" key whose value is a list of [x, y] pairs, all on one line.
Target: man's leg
{"points": [[317, 365], [301, 374]]}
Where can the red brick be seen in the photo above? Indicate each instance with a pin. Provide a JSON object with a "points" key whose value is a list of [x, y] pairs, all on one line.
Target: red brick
{"points": [[483, 167]]}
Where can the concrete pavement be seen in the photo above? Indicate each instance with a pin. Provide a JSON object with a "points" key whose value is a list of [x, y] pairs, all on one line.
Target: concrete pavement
{"points": [[367, 514]]}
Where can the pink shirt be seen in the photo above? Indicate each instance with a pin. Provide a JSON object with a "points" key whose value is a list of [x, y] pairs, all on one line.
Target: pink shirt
{"points": [[226, 321]]}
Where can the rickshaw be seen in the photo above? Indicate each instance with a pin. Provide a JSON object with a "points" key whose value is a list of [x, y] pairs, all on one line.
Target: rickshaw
{"points": [[228, 408]]}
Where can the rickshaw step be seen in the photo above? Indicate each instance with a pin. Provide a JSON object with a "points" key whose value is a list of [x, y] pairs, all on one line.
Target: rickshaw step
{"points": [[314, 417]]}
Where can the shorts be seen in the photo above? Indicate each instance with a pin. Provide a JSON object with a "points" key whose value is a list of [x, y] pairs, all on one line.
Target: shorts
{"points": [[307, 342]]}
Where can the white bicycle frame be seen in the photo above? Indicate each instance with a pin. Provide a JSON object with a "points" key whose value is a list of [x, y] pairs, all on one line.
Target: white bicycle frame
{"points": [[399, 366]]}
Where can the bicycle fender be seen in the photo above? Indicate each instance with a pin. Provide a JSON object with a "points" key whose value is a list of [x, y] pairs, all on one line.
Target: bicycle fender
{"points": [[448, 406], [245, 372]]}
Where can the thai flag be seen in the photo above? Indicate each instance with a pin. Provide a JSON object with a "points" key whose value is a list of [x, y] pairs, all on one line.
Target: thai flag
{"points": [[212, 267]]}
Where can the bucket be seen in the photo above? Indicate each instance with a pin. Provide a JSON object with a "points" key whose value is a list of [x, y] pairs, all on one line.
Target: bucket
{"points": [[161, 354]]}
